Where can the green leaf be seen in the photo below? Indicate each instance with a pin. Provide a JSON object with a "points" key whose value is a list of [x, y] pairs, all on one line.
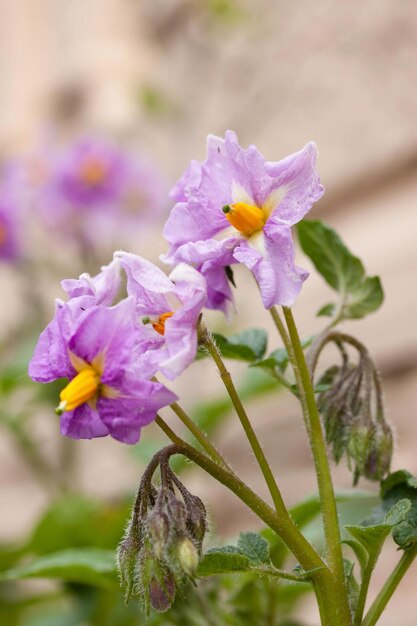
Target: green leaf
{"points": [[372, 536], [277, 361], [224, 560], [77, 521], [88, 566], [254, 546], [399, 486], [248, 345], [343, 271]]}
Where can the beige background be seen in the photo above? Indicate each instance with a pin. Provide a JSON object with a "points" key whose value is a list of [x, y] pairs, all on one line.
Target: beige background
{"points": [[280, 73]]}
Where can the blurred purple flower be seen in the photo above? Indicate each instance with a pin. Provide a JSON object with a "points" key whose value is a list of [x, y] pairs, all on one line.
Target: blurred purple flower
{"points": [[94, 346], [10, 246], [171, 306], [95, 183], [236, 207]]}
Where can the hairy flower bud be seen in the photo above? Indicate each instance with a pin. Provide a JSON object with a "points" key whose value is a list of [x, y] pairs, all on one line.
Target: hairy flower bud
{"points": [[380, 450], [162, 594], [155, 581], [176, 512], [358, 448], [187, 555], [126, 558], [159, 531], [196, 519]]}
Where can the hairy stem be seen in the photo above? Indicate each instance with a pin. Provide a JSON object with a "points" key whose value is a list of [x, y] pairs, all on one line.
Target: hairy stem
{"points": [[244, 419], [311, 416], [201, 437], [390, 586]]}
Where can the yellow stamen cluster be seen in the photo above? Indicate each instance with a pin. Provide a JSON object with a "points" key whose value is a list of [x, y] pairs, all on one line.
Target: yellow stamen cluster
{"points": [[79, 390], [246, 218], [93, 172]]}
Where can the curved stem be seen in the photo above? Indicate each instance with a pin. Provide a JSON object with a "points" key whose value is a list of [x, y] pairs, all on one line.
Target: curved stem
{"points": [[282, 524], [318, 447], [244, 419], [390, 586], [202, 439]]}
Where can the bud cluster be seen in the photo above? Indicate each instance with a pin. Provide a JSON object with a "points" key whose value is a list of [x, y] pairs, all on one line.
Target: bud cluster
{"points": [[353, 412], [163, 543]]}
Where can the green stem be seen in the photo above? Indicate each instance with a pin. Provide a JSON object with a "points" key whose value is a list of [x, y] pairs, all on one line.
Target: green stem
{"points": [[281, 524], [366, 579], [318, 447], [390, 586], [244, 419], [201, 437]]}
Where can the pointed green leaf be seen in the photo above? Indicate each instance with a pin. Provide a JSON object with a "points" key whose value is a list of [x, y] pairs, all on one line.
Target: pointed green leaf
{"points": [[373, 536], [248, 345], [343, 271]]}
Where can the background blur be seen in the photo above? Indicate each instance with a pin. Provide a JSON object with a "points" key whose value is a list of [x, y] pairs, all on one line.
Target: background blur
{"points": [[157, 76]]}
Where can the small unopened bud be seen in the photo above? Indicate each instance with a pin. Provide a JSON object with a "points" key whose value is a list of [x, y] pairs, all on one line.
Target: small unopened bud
{"points": [[380, 450], [187, 555], [197, 518], [127, 554], [162, 594], [158, 530], [358, 448], [176, 512]]}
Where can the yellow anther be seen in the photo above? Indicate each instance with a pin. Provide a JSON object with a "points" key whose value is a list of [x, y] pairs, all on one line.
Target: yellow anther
{"points": [[93, 172], [246, 218], [158, 323], [81, 389]]}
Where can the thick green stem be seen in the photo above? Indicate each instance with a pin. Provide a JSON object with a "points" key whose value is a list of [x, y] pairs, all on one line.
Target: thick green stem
{"points": [[318, 447], [390, 586], [244, 419], [198, 434], [281, 523]]}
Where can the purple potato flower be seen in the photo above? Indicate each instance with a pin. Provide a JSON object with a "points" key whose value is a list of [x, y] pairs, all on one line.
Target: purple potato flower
{"points": [[171, 306], [94, 346], [90, 173], [236, 207]]}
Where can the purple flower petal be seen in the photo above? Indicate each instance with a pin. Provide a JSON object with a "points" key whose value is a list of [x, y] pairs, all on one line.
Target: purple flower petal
{"points": [[83, 423], [146, 283], [272, 264], [104, 287]]}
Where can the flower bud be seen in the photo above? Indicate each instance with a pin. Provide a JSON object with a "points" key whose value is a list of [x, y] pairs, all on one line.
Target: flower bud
{"points": [[176, 512], [196, 518], [162, 594], [126, 558], [155, 581], [158, 530], [187, 555], [358, 448], [379, 453]]}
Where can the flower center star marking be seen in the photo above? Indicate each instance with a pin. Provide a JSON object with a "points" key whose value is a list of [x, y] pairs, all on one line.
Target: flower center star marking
{"points": [[158, 323]]}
